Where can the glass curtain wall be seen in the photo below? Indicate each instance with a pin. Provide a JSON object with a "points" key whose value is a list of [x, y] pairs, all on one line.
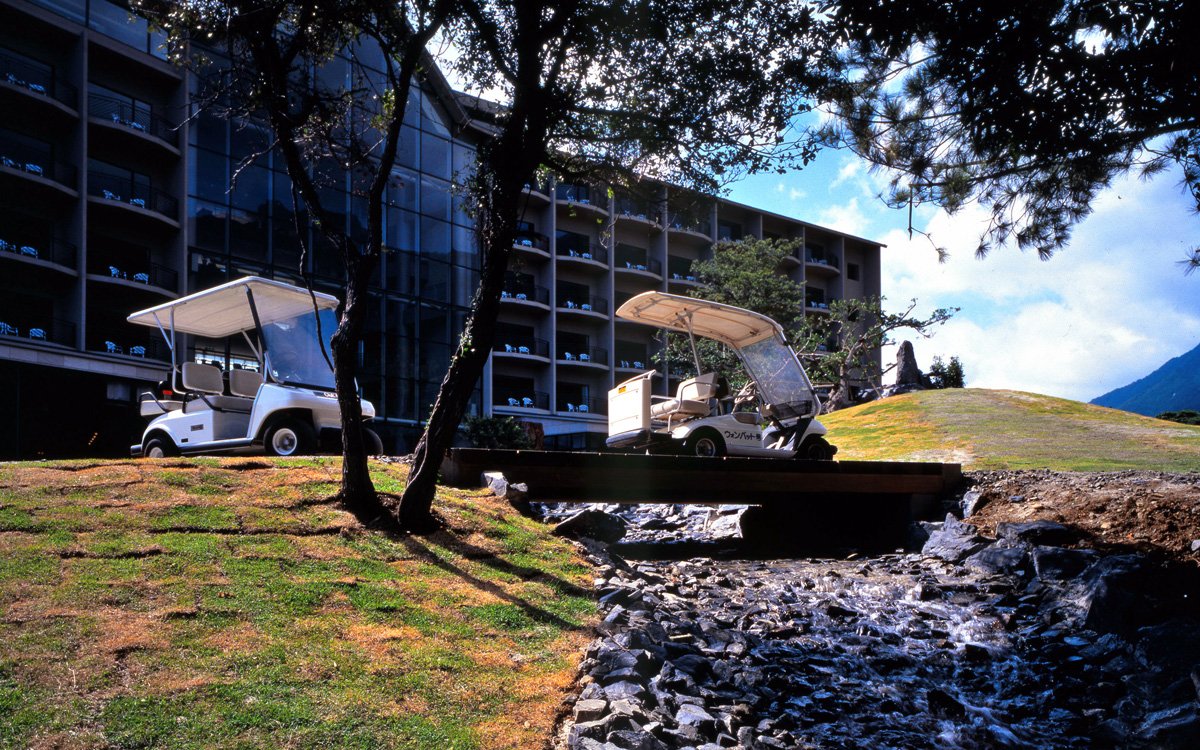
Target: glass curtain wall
{"points": [[422, 292]]}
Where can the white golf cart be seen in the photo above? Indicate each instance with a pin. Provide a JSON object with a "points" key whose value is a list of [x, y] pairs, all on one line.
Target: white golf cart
{"points": [[282, 403], [774, 416]]}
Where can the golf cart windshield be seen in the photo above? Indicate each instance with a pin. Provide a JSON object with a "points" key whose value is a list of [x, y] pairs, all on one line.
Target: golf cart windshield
{"points": [[782, 384], [294, 353]]}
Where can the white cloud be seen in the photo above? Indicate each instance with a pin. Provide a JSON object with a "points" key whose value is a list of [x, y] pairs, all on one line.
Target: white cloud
{"points": [[1107, 310]]}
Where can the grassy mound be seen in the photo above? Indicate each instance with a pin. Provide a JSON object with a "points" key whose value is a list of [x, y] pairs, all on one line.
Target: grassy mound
{"points": [[214, 603], [987, 429]]}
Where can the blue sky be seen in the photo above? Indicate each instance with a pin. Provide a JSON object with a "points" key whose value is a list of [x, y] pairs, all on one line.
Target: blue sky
{"points": [[1107, 310]]}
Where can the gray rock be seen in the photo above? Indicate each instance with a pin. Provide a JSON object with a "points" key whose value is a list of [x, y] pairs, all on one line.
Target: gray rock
{"points": [[1195, 547], [1046, 533], [594, 524], [1177, 727], [635, 739], [1000, 560], [954, 542], [1058, 564], [1173, 645], [907, 371], [590, 710], [1110, 595], [971, 501]]}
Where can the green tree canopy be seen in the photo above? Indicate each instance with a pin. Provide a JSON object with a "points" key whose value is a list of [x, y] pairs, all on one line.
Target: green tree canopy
{"points": [[1029, 108]]}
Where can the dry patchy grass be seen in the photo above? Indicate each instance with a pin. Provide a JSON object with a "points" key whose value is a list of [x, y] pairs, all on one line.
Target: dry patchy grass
{"points": [[230, 603]]}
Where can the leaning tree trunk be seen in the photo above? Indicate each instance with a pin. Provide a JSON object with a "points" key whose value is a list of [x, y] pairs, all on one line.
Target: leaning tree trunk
{"points": [[358, 491], [497, 222]]}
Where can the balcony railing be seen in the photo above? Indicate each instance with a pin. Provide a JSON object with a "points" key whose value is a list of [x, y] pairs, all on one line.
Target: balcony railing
{"points": [[135, 118], [533, 240], [538, 186], [583, 406], [684, 225], [523, 400], [133, 193], [589, 354], [123, 341], [527, 293], [59, 252], [575, 193], [821, 260], [635, 209], [35, 159], [583, 304], [632, 360], [34, 328], [151, 274], [522, 345], [580, 252], [648, 265], [36, 77]]}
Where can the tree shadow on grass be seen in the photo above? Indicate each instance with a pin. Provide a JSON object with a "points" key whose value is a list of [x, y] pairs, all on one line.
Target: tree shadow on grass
{"points": [[446, 537], [421, 549]]}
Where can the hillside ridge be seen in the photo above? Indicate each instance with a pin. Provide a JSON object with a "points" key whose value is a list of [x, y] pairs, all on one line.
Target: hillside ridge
{"points": [[1000, 429], [1174, 386]]}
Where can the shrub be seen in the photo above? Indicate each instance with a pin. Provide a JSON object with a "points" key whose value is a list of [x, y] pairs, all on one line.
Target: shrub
{"points": [[1184, 416], [497, 432]]}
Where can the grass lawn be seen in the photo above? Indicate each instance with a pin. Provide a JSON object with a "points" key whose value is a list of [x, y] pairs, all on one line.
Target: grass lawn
{"points": [[993, 429], [212, 603]]}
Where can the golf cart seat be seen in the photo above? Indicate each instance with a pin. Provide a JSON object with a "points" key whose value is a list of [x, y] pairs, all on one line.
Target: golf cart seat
{"points": [[691, 399], [244, 383], [206, 384]]}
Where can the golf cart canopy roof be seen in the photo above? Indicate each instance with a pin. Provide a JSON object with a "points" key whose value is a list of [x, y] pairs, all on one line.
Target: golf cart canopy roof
{"points": [[225, 310], [730, 325]]}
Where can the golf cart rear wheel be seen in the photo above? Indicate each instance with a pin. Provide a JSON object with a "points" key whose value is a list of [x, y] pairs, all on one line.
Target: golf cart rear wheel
{"points": [[816, 448], [159, 447], [289, 437], [705, 443], [372, 442]]}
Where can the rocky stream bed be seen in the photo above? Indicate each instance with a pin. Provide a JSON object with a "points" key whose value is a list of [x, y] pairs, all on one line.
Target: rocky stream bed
{"points": [[1027, 638]]}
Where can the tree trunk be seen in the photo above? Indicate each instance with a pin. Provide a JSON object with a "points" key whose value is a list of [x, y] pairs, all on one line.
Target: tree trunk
{"points": [[358, 491], [497, 229]]}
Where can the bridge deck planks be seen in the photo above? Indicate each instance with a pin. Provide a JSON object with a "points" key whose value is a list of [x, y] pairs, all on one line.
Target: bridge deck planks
{"points": [[631, 478]]}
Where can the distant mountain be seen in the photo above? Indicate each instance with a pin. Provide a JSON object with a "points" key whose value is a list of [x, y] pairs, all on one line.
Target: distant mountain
{"points": [[1172, 387]]}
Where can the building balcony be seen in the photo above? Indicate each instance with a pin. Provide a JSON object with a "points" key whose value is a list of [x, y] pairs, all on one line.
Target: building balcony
{"points": [[584, 356], [152, 276], [526, 400], [817, 307], [130, 199], [120, 341], [520, 348], [818, 265], [532, 244], [696, 233], [29, 170], [121, 123], [593, 257], [581, 199], [594, 406], [591, 307], [636, 212], [55, 254], [681, 275], [633, 365], [538, 193], [36, 330], [527, 296], [648, 268], [29, 83]]}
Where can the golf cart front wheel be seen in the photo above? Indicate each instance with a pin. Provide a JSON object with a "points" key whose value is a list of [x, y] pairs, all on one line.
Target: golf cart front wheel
{"points": [[159, 447], [705, 443], [289, 437], [815, 448]]}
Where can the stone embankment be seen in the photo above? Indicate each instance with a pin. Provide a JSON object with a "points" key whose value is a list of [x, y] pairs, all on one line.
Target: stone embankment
{"points": [[1019, 641]]}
